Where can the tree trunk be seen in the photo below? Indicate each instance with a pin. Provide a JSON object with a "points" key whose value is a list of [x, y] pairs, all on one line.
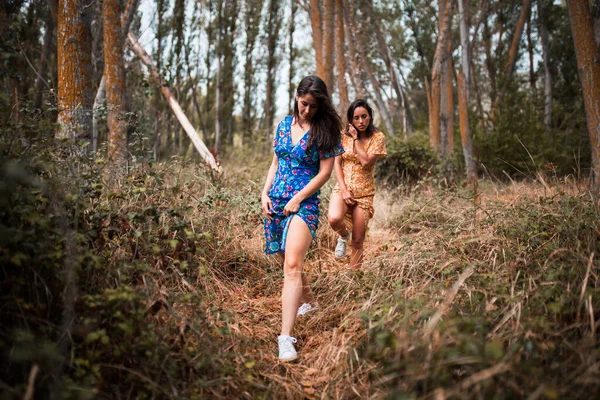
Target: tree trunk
{"points": [[436, 74], [185, 123], [252, 23], [218, 78], [317, 35], [446, 95], [365, 62], [513, 53], [340, 56], [291, 52], [546, 61], [328, 43], [586, 50], [355, 71], [273, 25], [114, 72], [530, 51], [99, 100], [385, 53], [74, 71], [47, 49], [465, 134], [464, 44]]}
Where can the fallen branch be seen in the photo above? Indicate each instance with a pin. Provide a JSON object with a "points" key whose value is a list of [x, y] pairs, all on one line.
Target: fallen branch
{"points": [[185, 123], [431, 324]]}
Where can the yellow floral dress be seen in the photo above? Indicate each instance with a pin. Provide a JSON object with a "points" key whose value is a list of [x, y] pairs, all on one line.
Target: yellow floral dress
{"points": [[358, 179]]}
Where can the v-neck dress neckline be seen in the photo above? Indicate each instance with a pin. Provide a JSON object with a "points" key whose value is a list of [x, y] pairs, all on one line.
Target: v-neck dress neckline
{"points": [[292, 137]]}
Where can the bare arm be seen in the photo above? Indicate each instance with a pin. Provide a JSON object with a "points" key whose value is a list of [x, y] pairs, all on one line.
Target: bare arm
{"points": [[365, 159], [339, 176], [266, 204], [325, 168]]}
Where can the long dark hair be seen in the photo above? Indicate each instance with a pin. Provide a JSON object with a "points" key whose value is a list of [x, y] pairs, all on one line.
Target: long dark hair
{"points": [[362, 103], [325, 125]]}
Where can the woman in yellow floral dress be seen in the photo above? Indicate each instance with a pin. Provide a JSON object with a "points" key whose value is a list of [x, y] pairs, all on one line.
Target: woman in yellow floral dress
{"points": [[351, 204]]}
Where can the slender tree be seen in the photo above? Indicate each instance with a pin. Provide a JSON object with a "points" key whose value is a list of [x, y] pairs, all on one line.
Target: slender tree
{"points": [[586, 50], [272, 28], [340, 56], [114, 71], [48, 48], [252, 23], [75, 96], [546, 62], [512, 53], [465, 133], [436, 74]]}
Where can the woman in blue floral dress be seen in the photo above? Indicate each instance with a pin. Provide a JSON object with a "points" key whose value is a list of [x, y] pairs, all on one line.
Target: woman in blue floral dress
{"points": [[305, 146]]}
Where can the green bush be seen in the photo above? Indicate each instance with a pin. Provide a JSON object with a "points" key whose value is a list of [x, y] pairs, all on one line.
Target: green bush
{"points": [[408, 160]]}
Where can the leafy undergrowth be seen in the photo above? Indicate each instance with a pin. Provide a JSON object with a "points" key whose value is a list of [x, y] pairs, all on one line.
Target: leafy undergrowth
{"points": [[157, 287]]}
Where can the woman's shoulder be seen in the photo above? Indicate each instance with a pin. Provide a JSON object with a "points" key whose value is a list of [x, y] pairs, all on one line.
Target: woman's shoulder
{"points": [[285, 122]]}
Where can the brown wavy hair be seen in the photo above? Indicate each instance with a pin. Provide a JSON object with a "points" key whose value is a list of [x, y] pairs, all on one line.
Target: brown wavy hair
{"points": [[326, 124]]}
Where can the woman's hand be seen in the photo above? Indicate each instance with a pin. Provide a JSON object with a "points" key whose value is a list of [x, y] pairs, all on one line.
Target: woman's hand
{"points": [[347, 197], [352, 131], [267, 206], [291, 207]]}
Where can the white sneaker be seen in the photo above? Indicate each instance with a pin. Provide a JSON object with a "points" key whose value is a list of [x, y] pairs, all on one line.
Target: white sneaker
{"points": [[305, 309], [287, 352], [340, 248]]}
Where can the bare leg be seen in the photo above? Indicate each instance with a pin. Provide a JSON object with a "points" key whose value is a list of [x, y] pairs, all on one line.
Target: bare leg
{"points": [[359, 230], [307, 296], [335, 214], [297, 243]]}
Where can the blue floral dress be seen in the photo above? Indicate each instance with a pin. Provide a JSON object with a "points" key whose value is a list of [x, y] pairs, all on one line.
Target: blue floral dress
{"points": [[297, 166]]}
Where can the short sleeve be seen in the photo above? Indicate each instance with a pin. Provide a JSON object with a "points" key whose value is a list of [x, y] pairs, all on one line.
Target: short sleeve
{"points": [[276, 138], [379, 144], [336, 151]]}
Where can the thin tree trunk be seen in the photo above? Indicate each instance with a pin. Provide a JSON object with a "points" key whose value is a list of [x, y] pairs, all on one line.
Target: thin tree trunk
{"points": [[355, 71], [100, 99], [436, 75], [98, 102], [252, 23], [464, 44], [291, 52], [114, 72], [340, 56], [586, 50], [512, 53], [185, 123], [546, 61], [317, 35], [365, 62], [218, 79], [47, 49], [530, 51], [465, 133], [273, 25], [446, 97], [74, 71], [385, 53], [328, 43]]}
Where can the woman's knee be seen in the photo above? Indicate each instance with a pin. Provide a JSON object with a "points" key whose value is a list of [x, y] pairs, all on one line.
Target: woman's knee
{"points": [[334, 219], [357, 242], [293, 265]]}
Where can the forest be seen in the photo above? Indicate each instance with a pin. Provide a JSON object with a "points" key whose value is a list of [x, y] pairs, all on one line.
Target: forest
{"points": [[135, 138]]}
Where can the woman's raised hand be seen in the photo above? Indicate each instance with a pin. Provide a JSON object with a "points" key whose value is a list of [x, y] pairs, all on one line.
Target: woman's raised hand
{"points": [[352, 131], [267, 206]]}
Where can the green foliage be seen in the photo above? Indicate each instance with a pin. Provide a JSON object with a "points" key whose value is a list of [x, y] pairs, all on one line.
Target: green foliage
{"points": [[407, 160], [520, 315], [519, 146]]}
